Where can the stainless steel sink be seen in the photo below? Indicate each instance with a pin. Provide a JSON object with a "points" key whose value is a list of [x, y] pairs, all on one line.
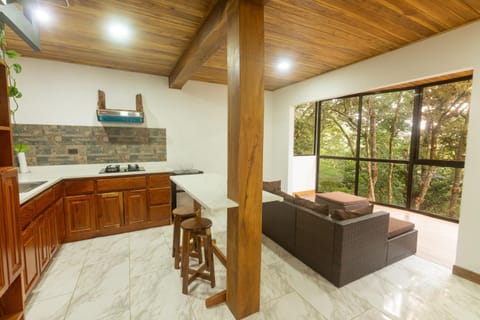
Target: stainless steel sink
{"points": [[28, 186]]}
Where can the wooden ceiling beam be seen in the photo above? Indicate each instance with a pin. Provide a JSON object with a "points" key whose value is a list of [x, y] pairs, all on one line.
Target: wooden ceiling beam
{"points": [[207, 40]]}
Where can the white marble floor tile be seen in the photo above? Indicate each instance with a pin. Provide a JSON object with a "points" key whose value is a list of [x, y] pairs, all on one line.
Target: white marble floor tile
{"points": [[290, 306], [107, 276], [154, 258], [103, 248], [272, 285], [125, 315], [96, 304], [146, 238], [200, 311], [158, 296], [331, 302], [131, 276], [74, 250], [459, 285], [374, 289], [51, 309], [59, 279], [400, 276], [272, 252], [425, 268], [401, 305], [372, 314], [102, 290]]}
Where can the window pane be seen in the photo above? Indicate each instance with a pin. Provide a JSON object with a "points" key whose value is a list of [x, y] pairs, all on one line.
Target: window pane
{"points": [[336, 175], [437, 190], [445, 110], [304, 134], [387, 125], [383, 182], [338, 125]]}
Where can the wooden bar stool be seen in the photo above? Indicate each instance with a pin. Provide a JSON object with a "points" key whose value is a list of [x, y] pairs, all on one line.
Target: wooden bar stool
{"points": [[180, 214], [197, 228]]}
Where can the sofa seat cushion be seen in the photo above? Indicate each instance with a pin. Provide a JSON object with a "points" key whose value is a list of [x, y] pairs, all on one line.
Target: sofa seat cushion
{"points": [[397, 227], [317, 207], [343, 214]]}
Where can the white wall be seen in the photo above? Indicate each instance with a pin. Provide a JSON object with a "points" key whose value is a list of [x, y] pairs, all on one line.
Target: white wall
{"points": [[303, 173], [448, 52], [195, 117]]}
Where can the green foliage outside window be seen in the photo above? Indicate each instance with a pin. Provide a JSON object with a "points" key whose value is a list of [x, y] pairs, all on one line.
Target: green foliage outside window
{"points": [[304, 134], [386, 130], [338, 127]]}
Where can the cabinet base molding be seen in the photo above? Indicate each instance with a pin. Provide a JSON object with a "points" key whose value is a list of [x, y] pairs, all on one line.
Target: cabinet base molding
{"points": [[109, 232], [466, 274]]}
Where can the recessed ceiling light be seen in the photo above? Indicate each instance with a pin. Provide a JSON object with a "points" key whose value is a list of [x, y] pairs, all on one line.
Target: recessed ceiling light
{"points": [[284, 65], [42, 15], [119, 31]]}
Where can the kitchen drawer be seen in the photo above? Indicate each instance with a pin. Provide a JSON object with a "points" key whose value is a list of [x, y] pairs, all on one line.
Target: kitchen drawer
{"points": [[159, 180], [160, 214], [127, 183], [28, 213], [159, 196], [81, 186], [44, 200]]}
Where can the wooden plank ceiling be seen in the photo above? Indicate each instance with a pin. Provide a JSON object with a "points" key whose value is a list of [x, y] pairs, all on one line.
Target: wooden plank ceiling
{"points": [[317, 35]]}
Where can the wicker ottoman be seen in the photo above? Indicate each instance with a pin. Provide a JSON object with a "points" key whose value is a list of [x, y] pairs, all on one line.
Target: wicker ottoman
{"points": [[341, 200]]}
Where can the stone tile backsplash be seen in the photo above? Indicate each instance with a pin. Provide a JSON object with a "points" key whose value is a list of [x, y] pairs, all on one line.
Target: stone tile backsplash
{"points": [[55, 144]]}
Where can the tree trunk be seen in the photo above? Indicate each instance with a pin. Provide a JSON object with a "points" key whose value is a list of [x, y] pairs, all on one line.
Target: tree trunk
{"points": [[456, 190], [372, 145], [459, 156], [427, 174], [393, 134]]}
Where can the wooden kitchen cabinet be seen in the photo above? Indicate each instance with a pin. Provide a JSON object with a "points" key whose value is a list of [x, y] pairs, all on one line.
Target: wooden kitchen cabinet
{"points": [[60, 220], [11, 206], [3, 261], [80, 219], [43, 240], [31, 268], [42, 221], [135, 207], [159, 195], [11, 295], [53, 230], [110, 210]]}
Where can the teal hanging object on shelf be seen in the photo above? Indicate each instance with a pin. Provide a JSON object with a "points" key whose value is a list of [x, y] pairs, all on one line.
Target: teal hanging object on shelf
{"points": [[119, 115]]}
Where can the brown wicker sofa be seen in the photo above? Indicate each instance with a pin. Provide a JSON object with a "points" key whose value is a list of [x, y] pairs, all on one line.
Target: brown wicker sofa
{"points": [[341, 251]]}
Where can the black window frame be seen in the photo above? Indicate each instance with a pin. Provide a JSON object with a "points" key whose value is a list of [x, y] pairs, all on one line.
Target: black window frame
{"points": [[413, 160]]}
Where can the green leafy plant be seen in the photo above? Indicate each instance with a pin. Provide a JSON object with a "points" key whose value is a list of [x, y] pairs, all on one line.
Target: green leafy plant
{"points": [[13, 92]]}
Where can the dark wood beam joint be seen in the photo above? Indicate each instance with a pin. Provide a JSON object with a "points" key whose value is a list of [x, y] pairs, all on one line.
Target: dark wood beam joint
{"points": [[206, 42]]}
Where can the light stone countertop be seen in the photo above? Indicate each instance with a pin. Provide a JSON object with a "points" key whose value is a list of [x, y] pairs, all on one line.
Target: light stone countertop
{"points": [[210, 190], [54, 174]]}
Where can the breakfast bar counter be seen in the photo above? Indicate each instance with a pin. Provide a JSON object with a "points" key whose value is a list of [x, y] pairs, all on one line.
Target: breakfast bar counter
{"points": [[209, 191]]}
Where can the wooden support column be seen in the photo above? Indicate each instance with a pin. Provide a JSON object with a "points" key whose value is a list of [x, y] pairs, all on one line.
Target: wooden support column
{"points": [[245, 60]]}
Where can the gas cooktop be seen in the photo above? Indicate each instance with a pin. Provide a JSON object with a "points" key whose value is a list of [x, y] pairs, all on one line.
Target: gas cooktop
{"points": [[116, 168]]}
